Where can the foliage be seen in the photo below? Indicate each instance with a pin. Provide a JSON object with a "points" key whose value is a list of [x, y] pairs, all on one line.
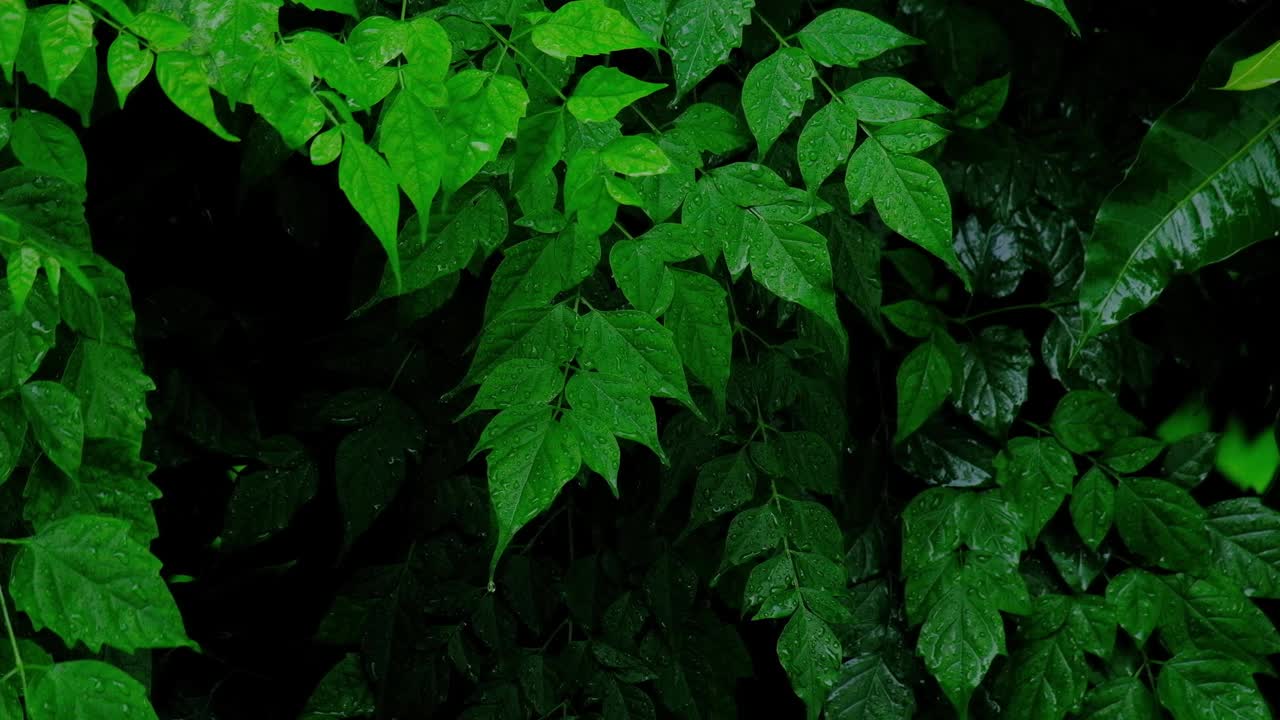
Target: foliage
{"points": [[720, 347]]}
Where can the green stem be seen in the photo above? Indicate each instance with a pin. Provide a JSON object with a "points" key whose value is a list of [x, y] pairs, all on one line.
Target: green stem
{"points": [[13, 642], [781, 40], [1011, 308], [527, 62]]}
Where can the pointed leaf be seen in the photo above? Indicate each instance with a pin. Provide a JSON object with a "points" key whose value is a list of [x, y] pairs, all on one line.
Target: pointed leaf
{"points": [[371, 189], [1093, 507], [775, 92], [924, 382], [826, 141], [604, 91], [88, 690], [810, 653], [588, 27], [43, 142], [849, 37], [993, 381], [1209, 686], [1163, 523], [184, 78], [128, 64], [701, 34], [66, 35]]}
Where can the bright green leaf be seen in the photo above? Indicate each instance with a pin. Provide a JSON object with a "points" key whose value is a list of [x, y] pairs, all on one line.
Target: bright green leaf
{"points": [[701, 34], [128, 65], [185, 80], [604, 91], [924, 382], [774, 94], [826, 141], [588, 27], [371, 189], [88, 690], [848, 37], [43, 142]]}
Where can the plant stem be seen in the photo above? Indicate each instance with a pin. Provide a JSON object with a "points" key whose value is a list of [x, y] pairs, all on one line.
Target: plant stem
{"points": [[781, 40], [1011, 308], [13, 642], [527, 62]]}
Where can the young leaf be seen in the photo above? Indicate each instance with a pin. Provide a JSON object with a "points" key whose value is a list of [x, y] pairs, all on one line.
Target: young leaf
{"points": [[88, 690], [43, 142], [369, 185], [1163, 523], [1093, 507], [924, 382], [826, 141], [531, 457], [1198, 685], [588, 27], [1256, 71], [604, 91], [1175, 213], [128, 64], [810, 653], [185, 80], [84, 579], [56, 423], [326, 146], [849, 37], [774, 94], [66, 35], [701, 34]]}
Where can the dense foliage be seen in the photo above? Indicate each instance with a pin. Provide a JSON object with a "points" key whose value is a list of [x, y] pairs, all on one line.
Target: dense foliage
{"points": [[638, 358]]}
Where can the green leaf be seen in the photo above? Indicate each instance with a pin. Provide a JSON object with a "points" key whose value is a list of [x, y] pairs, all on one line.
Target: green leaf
{"points": [[924, 382], [792, 261], [801, 456], [371, 189], [346, 7], [883, 100], [531, 457], [265, 501], [1059, 8], [1216, 615], [1141, 602], [412, 141], [959, 641], [631, 344], [1093, 507], [518, 382], [20, 275], [1120, 699], [344, 691], [1195, 195], [282, 98], [237, 32], [810, 653], [775, 92], [698, 319], [44, 143], [377, 40], [160, 31], [1047, 678], [600, 451], [604, 91], [1163, 523], [981, 105], [535, 271], [88, 690], [545, 333], [85, 579], [427, 48], [66, 36], [13, 20], [483, 111], [369, 467], [326, 146], [128, 64], [539, 147], [1190, 459], [588, 27], [1129, 455], [869, 689], [1246, 545], [640, 266], [849, 37], [1090, 420], [112, 481], [701, 34], [1256, 71], [634, 155], [1208, 686], [184, 78], [910, 197], [724, 485], [914, 318], [910, 136], [711, 128], [1036, 474], [617, 403], [56, 422], [826, 141], [993, 381]]}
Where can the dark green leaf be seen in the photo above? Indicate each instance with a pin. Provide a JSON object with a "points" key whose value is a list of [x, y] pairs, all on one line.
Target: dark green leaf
{"points": [[1037, 474], [993, 382], [54, 415], [924, 382], [1208, 686], [1093, 507], [774, 94], [701, 34], [88, 690], [1163, 523], [1090, 420], [1121, 699], [1246, 545]]}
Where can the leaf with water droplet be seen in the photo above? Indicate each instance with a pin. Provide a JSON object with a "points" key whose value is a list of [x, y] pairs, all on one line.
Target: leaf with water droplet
{"points": [[88, 690], [775, 92]]}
